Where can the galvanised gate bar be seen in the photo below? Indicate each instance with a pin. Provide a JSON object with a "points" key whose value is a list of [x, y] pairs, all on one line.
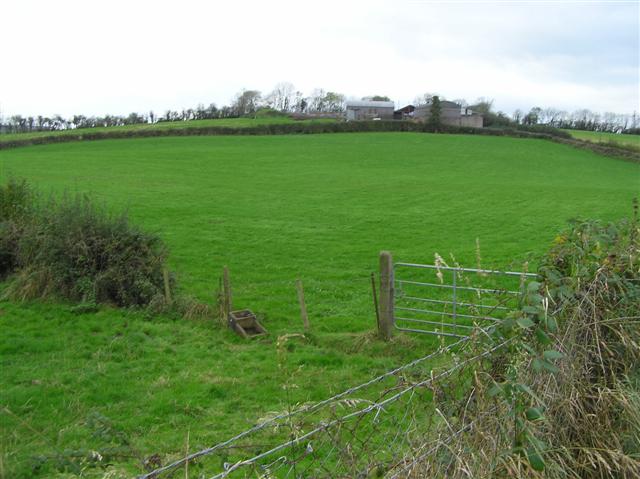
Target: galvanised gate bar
{"points": [[452, 301]]}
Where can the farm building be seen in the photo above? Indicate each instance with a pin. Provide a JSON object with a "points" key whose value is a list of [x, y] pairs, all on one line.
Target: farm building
{"points": [[404, 113], [369, 110], [452, 114]]}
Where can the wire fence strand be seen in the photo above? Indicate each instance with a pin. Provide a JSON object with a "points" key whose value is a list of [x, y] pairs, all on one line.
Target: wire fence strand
{"points": [[319, 440]]}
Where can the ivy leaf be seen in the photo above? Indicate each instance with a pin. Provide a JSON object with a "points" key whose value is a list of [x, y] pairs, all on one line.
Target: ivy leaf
{"points": [[525, 322], [552, 368], [537, 365], [533, 286], [527, 389], [533, 414], [535, 460], [552, 354], [542, 337], [536, 298], [495, 390]]}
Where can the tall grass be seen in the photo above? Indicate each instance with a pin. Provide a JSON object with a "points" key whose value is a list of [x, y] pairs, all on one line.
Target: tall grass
{"points": [[71, 248], [16, 206], [581, 414]]}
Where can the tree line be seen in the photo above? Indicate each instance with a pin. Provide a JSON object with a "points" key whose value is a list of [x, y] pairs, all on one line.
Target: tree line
{"points": [[286, 99], [583, 119]]}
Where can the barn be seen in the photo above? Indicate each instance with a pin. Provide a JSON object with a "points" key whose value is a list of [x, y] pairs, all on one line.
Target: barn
{"points": [[370, 110], [451, 113]]}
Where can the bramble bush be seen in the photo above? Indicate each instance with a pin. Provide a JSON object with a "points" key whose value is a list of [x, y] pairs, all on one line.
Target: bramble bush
{"points": [[16, 206], [72, 249], [560, 396]]}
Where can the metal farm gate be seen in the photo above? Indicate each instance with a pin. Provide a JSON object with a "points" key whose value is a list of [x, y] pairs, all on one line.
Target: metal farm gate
{"points": [[444, 300]]}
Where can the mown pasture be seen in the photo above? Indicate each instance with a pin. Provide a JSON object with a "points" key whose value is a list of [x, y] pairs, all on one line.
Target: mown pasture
{"points": [[272, 208], [164, 125], [606, 137]]}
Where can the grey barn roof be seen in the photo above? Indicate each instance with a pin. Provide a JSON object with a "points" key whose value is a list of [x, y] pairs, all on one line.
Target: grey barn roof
{"points": [[443, 104], [370, 104]]}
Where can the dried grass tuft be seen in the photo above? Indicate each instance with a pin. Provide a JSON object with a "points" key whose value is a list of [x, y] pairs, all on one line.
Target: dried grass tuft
{"points": [[591, 405]]}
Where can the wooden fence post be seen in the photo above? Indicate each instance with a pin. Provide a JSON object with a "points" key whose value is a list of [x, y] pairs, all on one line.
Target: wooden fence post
{"points": [[375, 300], [227, 302], [167, 286], [386, 295], [303, 306]]}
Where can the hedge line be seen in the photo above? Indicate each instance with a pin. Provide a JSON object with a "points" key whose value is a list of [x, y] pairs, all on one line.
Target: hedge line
{"points": [[275, 129], [536, 131]]}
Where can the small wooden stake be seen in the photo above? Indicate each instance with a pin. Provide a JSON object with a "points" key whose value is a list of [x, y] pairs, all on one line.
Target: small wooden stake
{"points": [[303, 306], [220, 300], [227, 302], [167, 287]]}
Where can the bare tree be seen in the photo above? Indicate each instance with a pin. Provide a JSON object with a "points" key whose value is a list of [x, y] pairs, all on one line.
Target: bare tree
{"points": [[247, 102], [533, 117], [326, 102], [283, 97], [517, 116], [334, 102], [316, 100], [425, 99]]}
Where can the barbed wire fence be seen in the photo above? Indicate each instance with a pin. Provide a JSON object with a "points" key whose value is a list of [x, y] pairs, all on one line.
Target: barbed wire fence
{"points": [[385, 427]]}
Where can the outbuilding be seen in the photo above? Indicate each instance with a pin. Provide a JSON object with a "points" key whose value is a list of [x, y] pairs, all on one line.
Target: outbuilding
{"points": [[451, 113], [370, 110]]}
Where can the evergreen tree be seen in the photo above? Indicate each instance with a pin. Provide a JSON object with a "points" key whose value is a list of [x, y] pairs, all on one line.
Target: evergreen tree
{"points": [[435, 120]]}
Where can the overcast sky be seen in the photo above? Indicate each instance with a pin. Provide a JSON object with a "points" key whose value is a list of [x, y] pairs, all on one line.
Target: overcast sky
{"points": [[66, 56]]}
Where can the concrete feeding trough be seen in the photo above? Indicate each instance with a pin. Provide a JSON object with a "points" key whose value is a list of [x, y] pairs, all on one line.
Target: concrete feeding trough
{"points": [[245, 323]]}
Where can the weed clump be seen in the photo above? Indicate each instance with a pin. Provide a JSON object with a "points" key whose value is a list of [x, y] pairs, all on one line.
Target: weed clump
{"points": [[73, 249], [563, 399], [16, 207]]}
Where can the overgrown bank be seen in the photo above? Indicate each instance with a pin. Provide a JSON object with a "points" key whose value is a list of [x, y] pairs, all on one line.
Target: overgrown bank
{"points": [[69, 248], [562, 399]]}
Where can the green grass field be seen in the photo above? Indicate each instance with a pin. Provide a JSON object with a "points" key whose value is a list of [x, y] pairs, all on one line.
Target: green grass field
{"points": [[604, 137], [272, 208], [165, 125]]}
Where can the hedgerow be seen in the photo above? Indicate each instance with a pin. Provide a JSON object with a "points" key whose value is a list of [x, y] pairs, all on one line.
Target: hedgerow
{"points": [[280, 129], [562, 400], [302, 128], [16, 207]]}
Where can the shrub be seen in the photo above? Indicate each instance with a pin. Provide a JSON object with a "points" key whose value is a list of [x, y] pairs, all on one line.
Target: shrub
{"points": [[563, 396], [72, 249], [16, 200], [268, 112], [16, 205]]}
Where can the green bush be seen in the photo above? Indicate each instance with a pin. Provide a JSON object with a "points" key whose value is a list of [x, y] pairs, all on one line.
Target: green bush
{"points": [[16, 200], [560, 396], [72, 249], [268, 112], [16, 205]]}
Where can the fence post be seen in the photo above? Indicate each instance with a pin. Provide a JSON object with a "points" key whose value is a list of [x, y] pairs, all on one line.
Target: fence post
{"points": [[375, 299], [386, 295], [167, 285], [303, 306], [227, 301]]}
